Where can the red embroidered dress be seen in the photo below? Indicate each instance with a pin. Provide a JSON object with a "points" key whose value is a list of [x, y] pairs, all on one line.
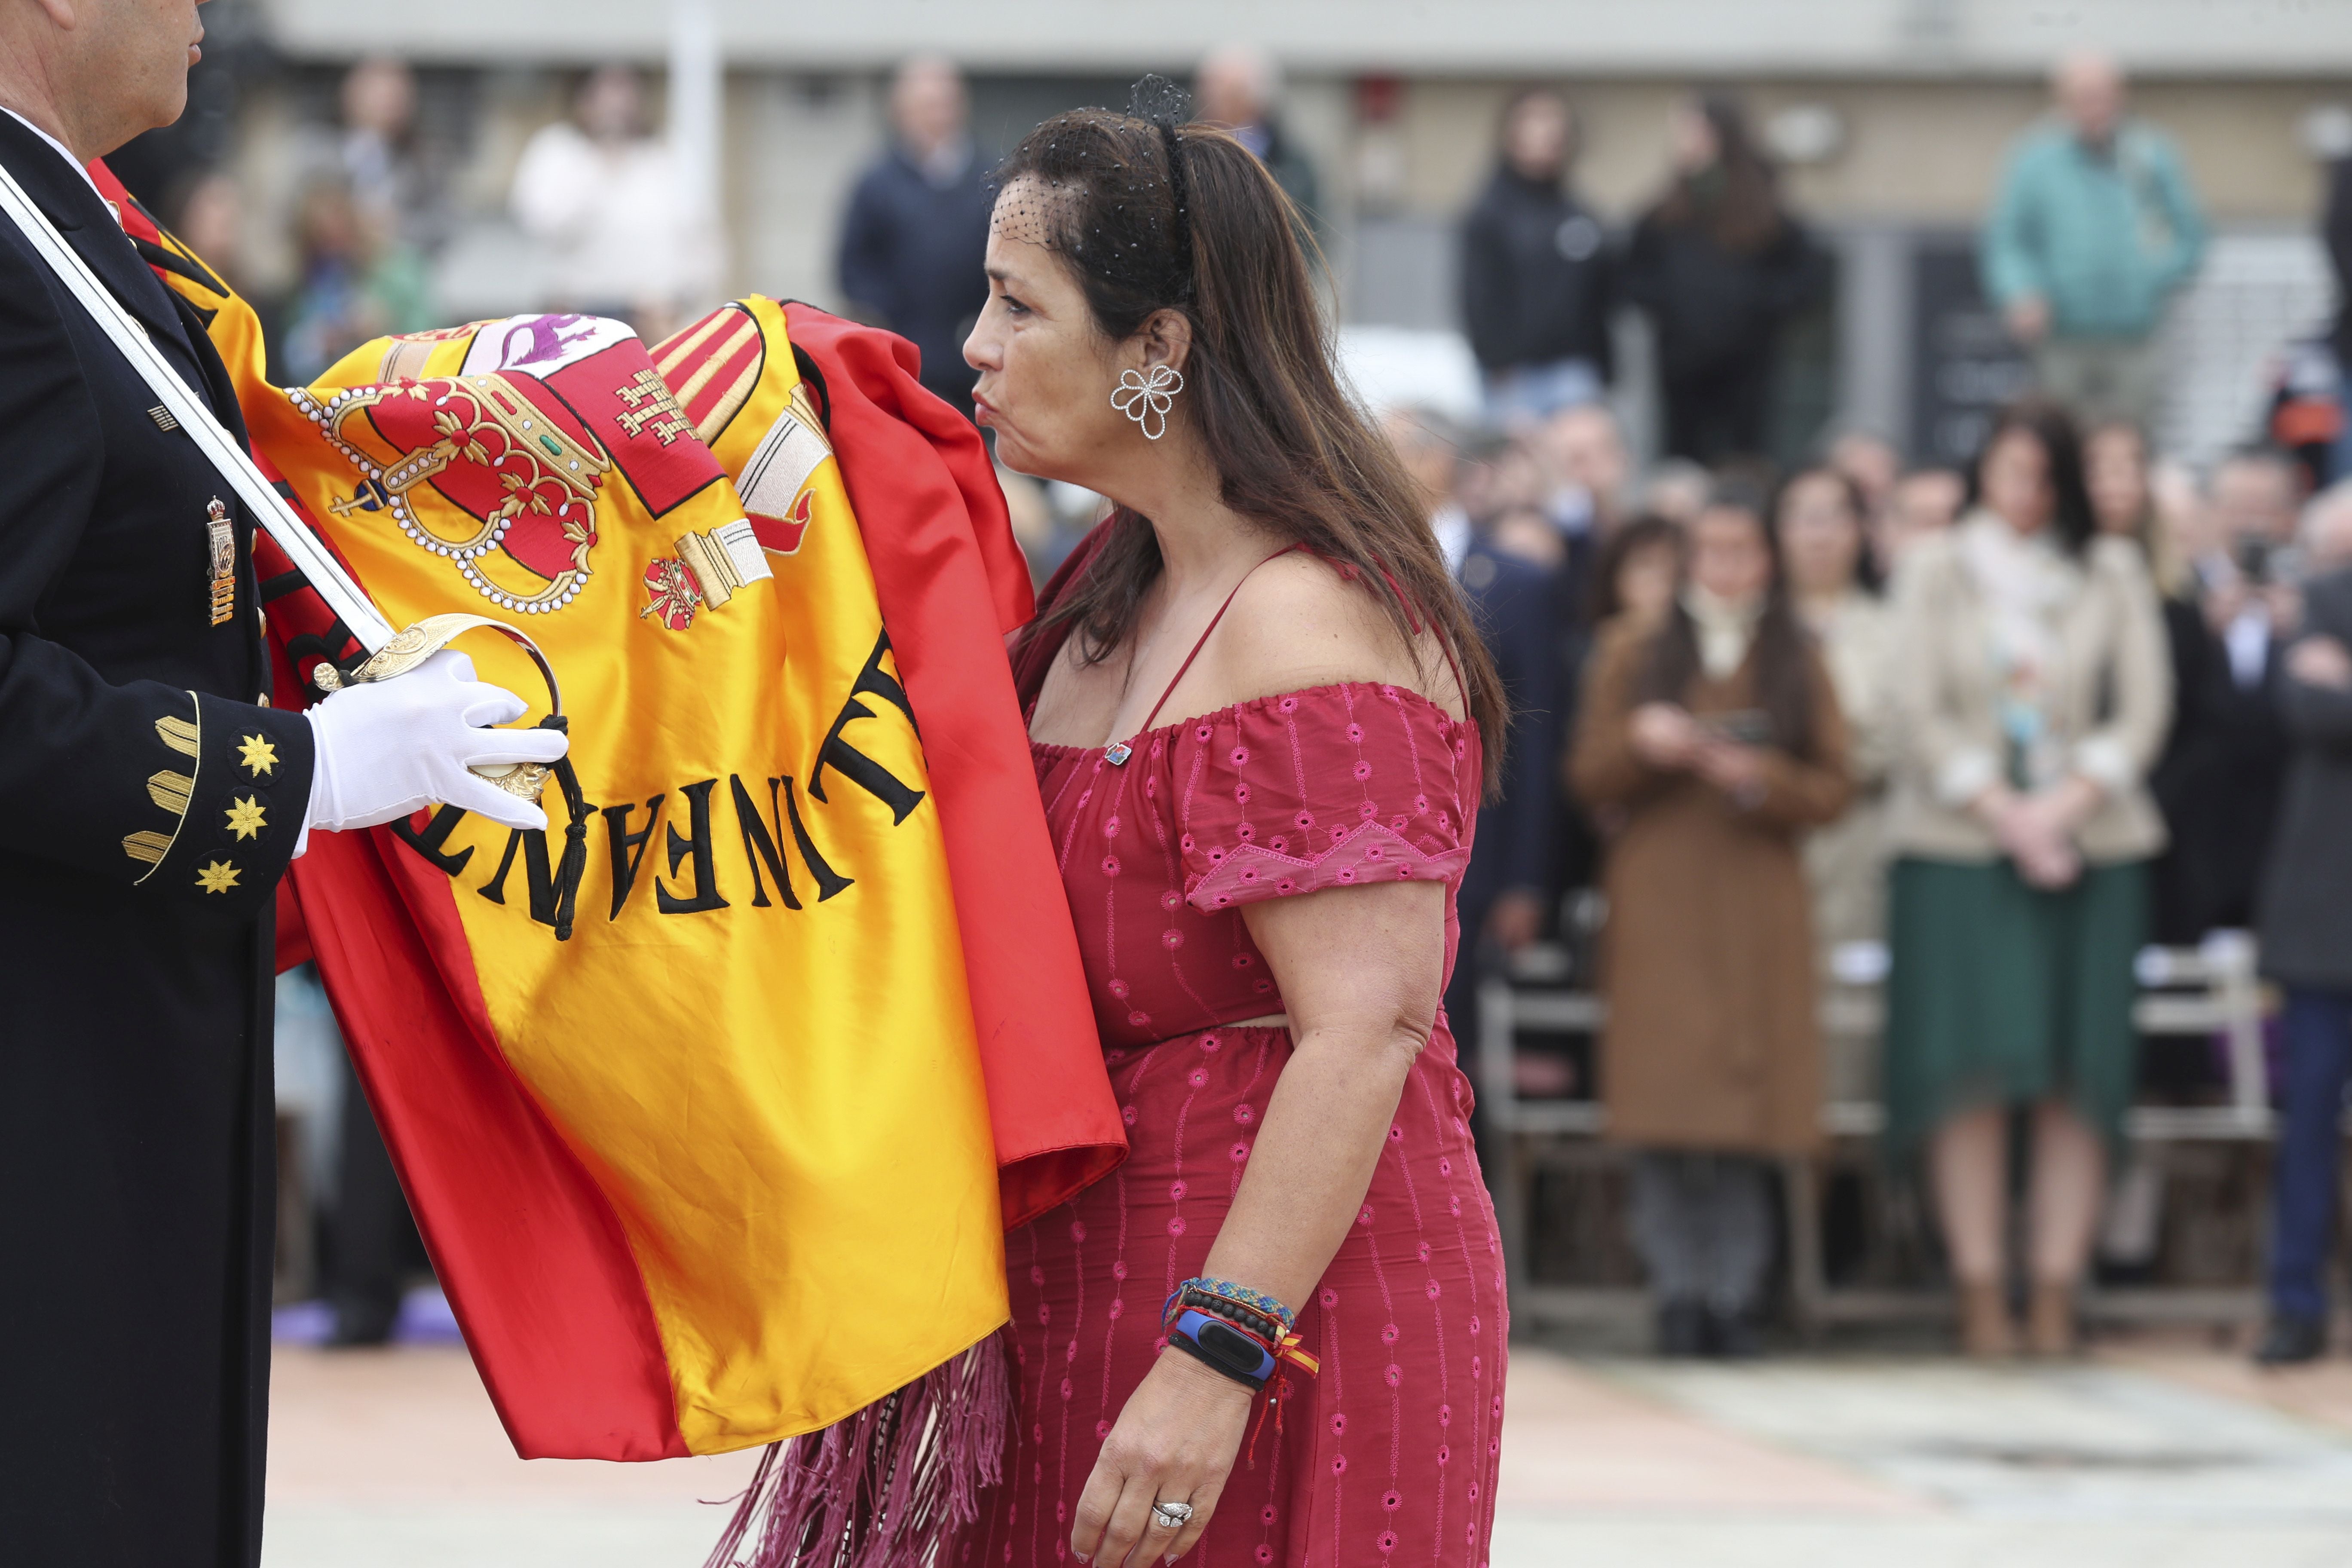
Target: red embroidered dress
{"points": [[1390, 1455]]}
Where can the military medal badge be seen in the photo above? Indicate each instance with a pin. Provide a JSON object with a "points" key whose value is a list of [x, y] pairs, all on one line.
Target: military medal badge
{"points": [[222, 537]]}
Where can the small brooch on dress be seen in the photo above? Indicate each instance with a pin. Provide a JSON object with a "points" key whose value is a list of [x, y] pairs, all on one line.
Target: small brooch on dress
{"points": [[1116, 754]]}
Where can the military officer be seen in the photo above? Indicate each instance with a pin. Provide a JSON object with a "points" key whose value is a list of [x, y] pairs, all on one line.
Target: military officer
{"points": [[150, 798]]}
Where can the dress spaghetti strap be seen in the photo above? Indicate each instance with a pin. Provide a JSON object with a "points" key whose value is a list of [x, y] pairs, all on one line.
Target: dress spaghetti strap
{"points": [[1185, 668], [1118, 751]]}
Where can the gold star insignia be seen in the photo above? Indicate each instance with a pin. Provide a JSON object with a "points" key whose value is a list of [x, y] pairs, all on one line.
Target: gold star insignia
{"points": [[259, 754], [217, 878], [246, 819]]}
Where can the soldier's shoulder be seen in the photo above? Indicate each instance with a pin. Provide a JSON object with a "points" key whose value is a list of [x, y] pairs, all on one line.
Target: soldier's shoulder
{"points": [[26, 300]]}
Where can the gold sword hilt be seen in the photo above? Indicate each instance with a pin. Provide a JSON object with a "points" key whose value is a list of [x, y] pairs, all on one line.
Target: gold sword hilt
{"points": [[420, 642]]}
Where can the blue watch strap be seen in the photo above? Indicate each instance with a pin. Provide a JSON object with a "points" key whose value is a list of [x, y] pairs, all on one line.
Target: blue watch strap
{"points": [[1222, 1346]]}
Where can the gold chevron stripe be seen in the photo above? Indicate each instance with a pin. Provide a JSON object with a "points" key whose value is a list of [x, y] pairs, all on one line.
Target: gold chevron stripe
{"points": [[147, 848], [171, 791]]}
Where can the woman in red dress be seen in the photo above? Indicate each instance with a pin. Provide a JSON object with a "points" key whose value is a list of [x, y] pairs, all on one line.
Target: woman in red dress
{"points": [[1259, 713]]}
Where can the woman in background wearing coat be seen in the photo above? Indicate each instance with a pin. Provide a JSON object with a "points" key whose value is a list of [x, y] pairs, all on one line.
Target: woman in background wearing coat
{"points": [[1539, 277], [1821, 524], [1720, 266], [2191, 779], [2033, 692], [1715, 736]]}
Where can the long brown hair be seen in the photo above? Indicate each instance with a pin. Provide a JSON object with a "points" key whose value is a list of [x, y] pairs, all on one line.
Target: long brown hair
{"points": [[1866, 574], [2071, 523], [1736, 201], [2155, 541], [1152, 215], [1781, 652], [1602, 602]]}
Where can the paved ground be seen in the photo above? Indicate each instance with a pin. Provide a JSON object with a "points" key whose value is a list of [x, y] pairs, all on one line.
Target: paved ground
{"points": [[2145, 1458]]}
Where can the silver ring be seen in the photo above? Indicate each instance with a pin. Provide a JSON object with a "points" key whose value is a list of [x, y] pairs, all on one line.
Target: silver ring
{"points": [[1172, 1515]]}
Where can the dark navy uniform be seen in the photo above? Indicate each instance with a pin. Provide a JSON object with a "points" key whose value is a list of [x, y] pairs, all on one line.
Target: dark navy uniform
{"points": [[1510, 603], [149, 803]]}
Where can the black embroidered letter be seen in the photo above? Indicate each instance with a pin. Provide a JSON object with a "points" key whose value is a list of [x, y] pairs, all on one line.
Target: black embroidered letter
{"points": [[436, 833], [856, 766], [828, 880], [705, 874], [624, 862], [760, 845], [537, 876]]}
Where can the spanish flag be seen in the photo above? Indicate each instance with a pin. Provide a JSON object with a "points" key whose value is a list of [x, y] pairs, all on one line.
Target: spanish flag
{"points": [[713, 1101]]}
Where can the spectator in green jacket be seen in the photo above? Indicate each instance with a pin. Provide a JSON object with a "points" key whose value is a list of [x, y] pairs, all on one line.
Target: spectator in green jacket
{"points": [[2093, 230]]}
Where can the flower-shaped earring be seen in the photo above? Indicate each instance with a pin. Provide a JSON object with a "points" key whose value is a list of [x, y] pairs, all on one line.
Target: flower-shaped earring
{"points": [[1148, 401]]}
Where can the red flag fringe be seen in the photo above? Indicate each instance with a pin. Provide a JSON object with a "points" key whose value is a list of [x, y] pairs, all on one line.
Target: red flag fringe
{"points": [[884, 1488]]}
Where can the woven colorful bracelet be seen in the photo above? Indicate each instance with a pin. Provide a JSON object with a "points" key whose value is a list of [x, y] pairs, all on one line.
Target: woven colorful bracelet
{"points": [[1242, 1295], [1256, 1320]]}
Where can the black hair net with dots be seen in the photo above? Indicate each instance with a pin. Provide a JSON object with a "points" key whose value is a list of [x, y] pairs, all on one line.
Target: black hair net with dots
{"points": [[1109, 192]]}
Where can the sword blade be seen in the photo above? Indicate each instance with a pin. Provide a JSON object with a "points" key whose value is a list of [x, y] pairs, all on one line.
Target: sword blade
{"points": [[227, 453]]}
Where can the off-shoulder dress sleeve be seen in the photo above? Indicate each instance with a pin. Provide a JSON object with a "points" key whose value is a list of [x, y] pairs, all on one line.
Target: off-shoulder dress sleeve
{"points": [[1332, 787]]}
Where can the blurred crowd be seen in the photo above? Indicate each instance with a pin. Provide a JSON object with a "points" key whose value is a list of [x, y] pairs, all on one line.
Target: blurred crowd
{"points": [[611, 219], [1987, 733], [1982, 734], [2000, 727]]}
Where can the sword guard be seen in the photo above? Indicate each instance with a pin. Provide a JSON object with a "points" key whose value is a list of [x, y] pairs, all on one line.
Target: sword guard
{"points": [[429, 636]]}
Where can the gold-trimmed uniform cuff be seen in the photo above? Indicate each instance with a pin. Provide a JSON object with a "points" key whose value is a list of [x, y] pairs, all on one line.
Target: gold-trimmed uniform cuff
{"points": [[244, 799]]}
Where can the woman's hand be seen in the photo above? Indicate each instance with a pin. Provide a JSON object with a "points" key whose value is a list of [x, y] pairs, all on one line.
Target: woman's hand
{"points": [[2050, 864], [2059, 810], [1736, 769], [1174, 1442], [2321, 661], [1663, 735], [2037, 832], [2001, 809]]}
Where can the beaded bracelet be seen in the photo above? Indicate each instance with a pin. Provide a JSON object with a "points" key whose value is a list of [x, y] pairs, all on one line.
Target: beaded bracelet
{"points": [[1234, 1312], [1242, 1295], [1183, 1299]]}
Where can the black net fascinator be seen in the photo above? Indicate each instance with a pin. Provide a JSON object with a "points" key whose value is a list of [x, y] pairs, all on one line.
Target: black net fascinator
{"points": [[1109, 191]]}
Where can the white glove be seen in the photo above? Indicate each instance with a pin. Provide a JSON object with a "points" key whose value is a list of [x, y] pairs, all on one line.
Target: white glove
{"points": [[389, 747]]}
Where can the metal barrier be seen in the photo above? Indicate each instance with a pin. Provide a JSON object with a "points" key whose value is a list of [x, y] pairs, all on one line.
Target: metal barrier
{"points": [[2211, 991]]}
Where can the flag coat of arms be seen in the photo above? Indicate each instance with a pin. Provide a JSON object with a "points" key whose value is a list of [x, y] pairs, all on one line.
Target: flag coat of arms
{"points": [[713, 1100]]}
